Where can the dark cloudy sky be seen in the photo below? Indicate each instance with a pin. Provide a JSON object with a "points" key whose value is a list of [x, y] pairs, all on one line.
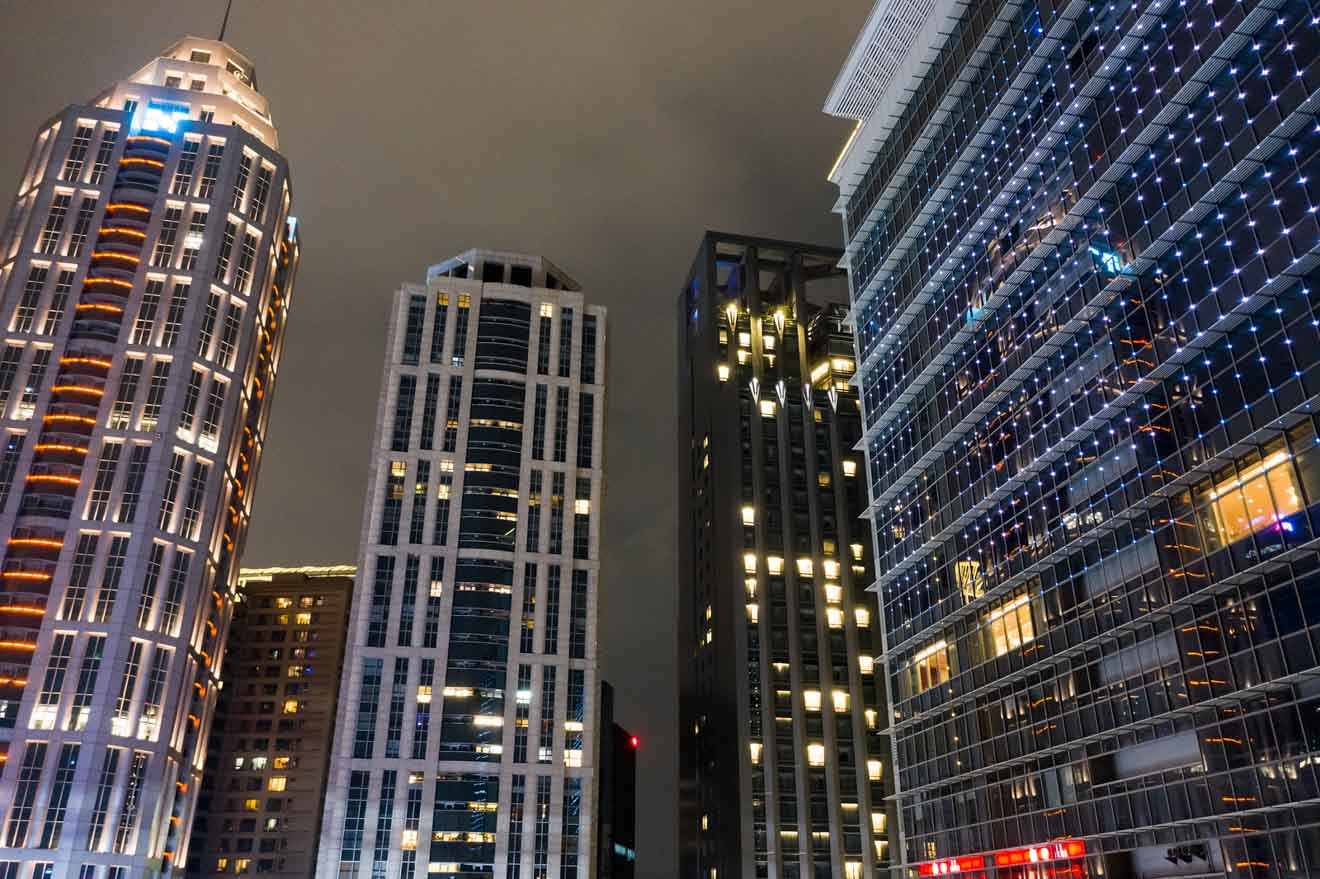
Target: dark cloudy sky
{"points": [[605, 134]]}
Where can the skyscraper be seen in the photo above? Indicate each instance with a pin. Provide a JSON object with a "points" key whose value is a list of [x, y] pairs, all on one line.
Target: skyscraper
{"points": [[466, 740], [616, 808], [781, 760], [1083, 251], [145, 274], [264, 788]]}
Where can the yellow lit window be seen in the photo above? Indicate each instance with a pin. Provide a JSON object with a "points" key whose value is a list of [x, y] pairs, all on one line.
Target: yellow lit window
{"points": [[1259, 498], [930, 667], [749, 562], [878, 822], [755, 749], [823, 479], [1009, 625], [811, 699], [768, 343], [282, 762], [833, 593], [242, 865], [768, 408], [852, 870], [743, 357], [458, 692], [750, 584], [705, 822], [423, 694], [221, 864], [804, 567], [967, 576], [710, 636], [251, 805], [437, 588], [283, 601], [873, 769], [708, 613], [464, 300], [857, 550], [302, 619], [745, 340], [849, 467], [723, 371], [842, 364], [749, 515], [408, 841], [753, 613], [815, 754], [871, 718], [866, 664], [398, 468], [841, 700], [834, 617], [488, 720], [863, 617], [291, 706], [582, 506], [277, 783], [831, 568], [774, 564], [547, 310], [573, 757]]}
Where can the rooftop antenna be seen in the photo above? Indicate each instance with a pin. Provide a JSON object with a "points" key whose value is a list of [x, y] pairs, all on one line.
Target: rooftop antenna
{"points": [[224, 25]]}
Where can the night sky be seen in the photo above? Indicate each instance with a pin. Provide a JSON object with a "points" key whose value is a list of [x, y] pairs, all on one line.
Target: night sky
{"points": [[605, 135]]}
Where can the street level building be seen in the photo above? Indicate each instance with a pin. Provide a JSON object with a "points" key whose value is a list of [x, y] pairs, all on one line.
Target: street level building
{"points": [[145, 274], [782, 762], [1082, 243], [467, 737]]}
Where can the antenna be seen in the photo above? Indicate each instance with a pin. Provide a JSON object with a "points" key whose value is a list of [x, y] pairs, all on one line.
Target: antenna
{"points": [[224, 25]]}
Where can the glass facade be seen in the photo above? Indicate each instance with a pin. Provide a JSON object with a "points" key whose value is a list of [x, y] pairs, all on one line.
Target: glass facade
{"points": [[782, 763], [484, 708], [1082, 245], [135, 386]]}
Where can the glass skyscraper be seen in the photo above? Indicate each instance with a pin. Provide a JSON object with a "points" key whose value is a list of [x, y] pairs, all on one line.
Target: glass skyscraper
{"points": [[1082, 246], [466, 742], [782, 766], [145, 275]]}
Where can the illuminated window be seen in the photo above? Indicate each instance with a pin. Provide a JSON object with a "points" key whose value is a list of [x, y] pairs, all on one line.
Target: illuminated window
{"points": [[753, 613], [768, 343], [774, 564], [423, 694], [841, 700], [967, 575], [755, 749], [930, 667], [408, 841], [833, 593], [873, 769], [863, 617], [1008, 626], [811, 699], [866, 664], [251, 805], [852, 870], [258, 763], [723, 371], [291, 706], [857, 550], [399, 468], [831, 568], [878, 822], [750, 584], [277, 783], [283, 762], [283, 601], [815, 755], [768, 408], [745, 340], [582, 506], [705, 822], [749, 515], [547, 310], [834, 617], [242, 865], [804, 567], [1263, 496], [849, 467]]}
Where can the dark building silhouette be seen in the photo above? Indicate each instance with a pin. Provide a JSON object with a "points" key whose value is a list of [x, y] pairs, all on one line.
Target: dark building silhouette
{"points": [[616, 830]]}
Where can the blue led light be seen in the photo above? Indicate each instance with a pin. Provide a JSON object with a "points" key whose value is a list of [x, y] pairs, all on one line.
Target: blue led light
{"points": [[161, 116]]}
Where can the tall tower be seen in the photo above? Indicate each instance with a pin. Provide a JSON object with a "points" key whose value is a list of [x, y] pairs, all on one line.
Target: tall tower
{"points": [[780, 758], [1084, 253], [145, 274], [467, 737]]}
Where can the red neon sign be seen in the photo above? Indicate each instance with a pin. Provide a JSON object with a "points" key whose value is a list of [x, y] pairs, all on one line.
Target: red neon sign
{"points": [[1036, 854]]}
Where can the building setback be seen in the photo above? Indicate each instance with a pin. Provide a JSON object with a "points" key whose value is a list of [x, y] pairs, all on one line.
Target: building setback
{"points": [[466, 742], [781, 760], [264, 788], [145, 274], [1082, 246]]}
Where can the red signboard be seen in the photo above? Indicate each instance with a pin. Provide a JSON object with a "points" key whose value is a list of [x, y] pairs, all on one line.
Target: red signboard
{"points": [[1036, 854]]}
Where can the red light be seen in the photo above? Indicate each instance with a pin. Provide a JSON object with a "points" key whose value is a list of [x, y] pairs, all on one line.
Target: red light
{"points": [[1052, 851], [633, 741]]}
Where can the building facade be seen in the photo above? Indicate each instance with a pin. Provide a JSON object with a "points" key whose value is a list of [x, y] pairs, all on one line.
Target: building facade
{"points": [[616, 810], [264, 784], [466, 744], [145, 274], [781, 759], [1082, 246]]}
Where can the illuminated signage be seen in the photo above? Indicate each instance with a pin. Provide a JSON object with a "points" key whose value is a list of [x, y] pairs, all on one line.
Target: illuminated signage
{"points": [[1036, 854], [162, 116]]}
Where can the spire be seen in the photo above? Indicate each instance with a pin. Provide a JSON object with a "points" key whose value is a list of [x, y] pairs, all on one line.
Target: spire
{"points": [[224, 24]]}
